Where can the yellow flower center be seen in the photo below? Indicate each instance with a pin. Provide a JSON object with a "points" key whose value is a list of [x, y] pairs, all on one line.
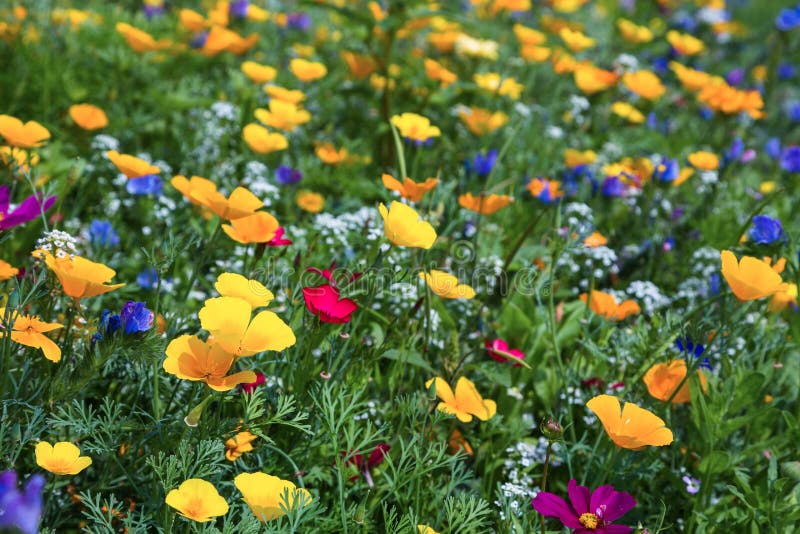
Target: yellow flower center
{"points": [[589, 520]]}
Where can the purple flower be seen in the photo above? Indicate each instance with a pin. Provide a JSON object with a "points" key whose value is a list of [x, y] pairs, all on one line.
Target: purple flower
{"points": [[153, 9], [238, 8], [667, 171], [136, 318], [148, 278], [766, 230], [735, 77], [613, 187], [298, 21], [287, 176], [773, 147], [198, 40], [29, 209], [588, 512], [790, 160], [20, 509], [482, 163], [150, 184], [692, 484], [102, 234], [688, 348]]}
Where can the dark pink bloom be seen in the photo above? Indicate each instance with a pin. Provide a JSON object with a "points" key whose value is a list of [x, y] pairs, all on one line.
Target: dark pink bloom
{"points": [[366, 466], [327, 274], [499, 351], [29, 209], [324, 302], [249, 388], [588, 512], [278, 240]]}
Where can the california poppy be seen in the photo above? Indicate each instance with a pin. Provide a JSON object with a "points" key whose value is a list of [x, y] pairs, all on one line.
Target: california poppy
{"points": [[264, 494], [191, 358], [465, 402], [446, 285], [484, 204], [631, 427], [750, 278], [403, 227], [228, 319], [606, 305], [198, 500], [409, 189]]}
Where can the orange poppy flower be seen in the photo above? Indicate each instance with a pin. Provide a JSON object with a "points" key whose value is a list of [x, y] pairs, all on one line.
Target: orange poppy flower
{"points": [[607, 306], [483, 204], [88, 117], [750, 278], [409, 189], [631, 427], [131, 166], [28, 135], [663, 379]]}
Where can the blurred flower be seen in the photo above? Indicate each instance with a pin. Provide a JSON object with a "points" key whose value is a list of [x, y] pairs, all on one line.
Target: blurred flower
{"points": [[140, 41], [63, 458], [634, 33], [482, 121], [591, 79], [28, 210], [631, 427], [13, 156], [766, 230], [131, 166], [197, 500], [484, 204], [409, 189], [264, 494], [425, 529], [29, 330], [310, 202], [729, 100], [228, 320], [750, 278], [529, 36], [790, 159], [788, 19], [684, 43], [7, 271], [79, 277], [663, 379], [575, 40], [415, 127], [28, 135], [287, 176], [251, 291], [293, 96], [575, 158], [307, 71], [667, 171], [705, 161], [251, 386], [644, 83], [499, 352], [88, 117], [328, 154], [149, 184], [283, 115], [191, 20], [403, 227], [465, 402], [627, 112], [437, 72], [482, 163], [148, 278], [692, 484], [238, 445], [324, 302], [260, 227], [359, 65], [782, 299], [20, 510], [457, 443], [595, 239], [278, 240], [136, 317], [494, 83], [262, 141], [365, 467], [548, 191], [191, 358], [588, 512], [298, 21], [196, 189], [258, 73], [446, 285], [606, 305]]}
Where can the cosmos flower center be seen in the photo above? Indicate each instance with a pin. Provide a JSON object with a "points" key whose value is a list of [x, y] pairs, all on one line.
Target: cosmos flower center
{"points": [[589, 520]]}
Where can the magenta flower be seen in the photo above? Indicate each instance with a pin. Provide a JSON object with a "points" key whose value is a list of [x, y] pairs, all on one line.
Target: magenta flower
{"points": [[588, 513], [278, 240], [499, 351], [365, 466], [324, 302], [29, 209]]}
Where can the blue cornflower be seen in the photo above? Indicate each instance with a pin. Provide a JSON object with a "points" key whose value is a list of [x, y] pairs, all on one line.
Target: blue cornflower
{"points": [[734, 152], [148, 278], [102, 234], [667, 170], [786, 71], [287, 176], [133, 318], [150, 184], [773, 147], [788, 19], [790, 158], [482, 164], [613, 187], [688, 348], [20, 510], [714, 283], [766, 230]]}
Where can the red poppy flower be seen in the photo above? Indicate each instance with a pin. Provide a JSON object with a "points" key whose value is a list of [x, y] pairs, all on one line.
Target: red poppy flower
{"points": [[365, 466], [499, 351], [324, 302]]}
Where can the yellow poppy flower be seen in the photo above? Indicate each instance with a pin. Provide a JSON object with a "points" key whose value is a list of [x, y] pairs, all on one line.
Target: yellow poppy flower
{"points": [[330, 155], [482, 121], [705, 161], [7, 271], [259, 227], [195, 189], [446, 285], [685, 44], [575, 40], [631, 427], [415, 127], [63, 458], [79, 277], [529, 36], [29, 330], [88, 117], [627, 112], [750, 278], [140, 41], [644, 83], [292, 96], [262, 141], [591, 79], [238, 445], [596, 239], [131, 166], [633, 33], [283, 115], [228, 320], [484, 204], [307, 71], [425, 529], [437, 72], [236, 285], [198, 500], [258, 73], [465, 402], [575, 158], [241, 202], [310, 202], [359, 65], [403, 227], [192, 20], [663, 379], [606, 305], [409, 189], [191, 358], [264, 493], [22, 135]]}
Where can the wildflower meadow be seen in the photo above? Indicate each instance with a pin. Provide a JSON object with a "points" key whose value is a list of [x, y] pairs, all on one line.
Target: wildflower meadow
{"points": [[399, 266]]}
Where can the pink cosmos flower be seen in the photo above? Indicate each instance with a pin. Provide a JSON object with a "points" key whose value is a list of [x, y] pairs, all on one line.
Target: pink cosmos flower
{"points": [[499, 351], [588, 512]]}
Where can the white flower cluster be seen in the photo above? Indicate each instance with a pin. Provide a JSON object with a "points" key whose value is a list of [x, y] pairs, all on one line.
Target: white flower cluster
{"points": [[58, 243], [704, 263], [337, 228], [215, 124], [647, 295], [522, 460], [103, 142]]}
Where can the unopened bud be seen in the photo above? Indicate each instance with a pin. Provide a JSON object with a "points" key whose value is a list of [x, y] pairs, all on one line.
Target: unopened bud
{"points": [[551, 429]]}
